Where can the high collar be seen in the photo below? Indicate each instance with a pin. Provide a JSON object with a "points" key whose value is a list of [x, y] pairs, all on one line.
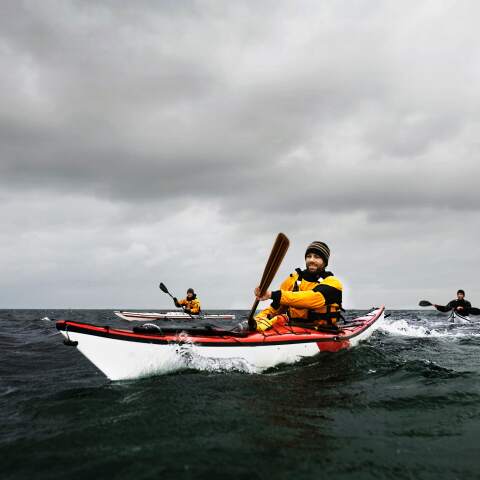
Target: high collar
{"points": [[313, 277]]}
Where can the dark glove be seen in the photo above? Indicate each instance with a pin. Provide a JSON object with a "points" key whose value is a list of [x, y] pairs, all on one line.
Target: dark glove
{"points": [[187, 310], [175, 301]]}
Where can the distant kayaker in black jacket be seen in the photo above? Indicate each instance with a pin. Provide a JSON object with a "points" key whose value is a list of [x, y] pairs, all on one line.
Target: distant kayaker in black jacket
{"points": [[460, 305]]}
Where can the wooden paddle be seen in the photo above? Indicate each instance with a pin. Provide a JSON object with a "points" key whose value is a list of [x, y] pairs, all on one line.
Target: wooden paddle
{"points": [[279, 250]]}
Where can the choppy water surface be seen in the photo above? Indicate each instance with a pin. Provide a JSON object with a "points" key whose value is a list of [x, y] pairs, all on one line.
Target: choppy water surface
{"points": [[405, 404]]}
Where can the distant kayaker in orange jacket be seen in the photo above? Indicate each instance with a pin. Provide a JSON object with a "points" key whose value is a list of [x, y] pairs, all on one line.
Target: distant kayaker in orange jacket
{"points": [[310, 297], [190, 304]]}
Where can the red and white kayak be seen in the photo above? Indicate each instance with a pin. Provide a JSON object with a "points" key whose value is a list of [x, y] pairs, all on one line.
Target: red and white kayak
{"points": [[151, 316], [124, 354]]}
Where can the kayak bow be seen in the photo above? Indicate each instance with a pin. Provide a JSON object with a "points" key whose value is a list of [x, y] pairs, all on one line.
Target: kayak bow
{"points": [[455, 317], [124, 354]]}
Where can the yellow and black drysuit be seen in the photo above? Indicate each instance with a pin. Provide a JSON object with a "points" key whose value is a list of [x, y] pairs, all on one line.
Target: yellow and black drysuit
{"points": [[189, 306], [310, 299]]}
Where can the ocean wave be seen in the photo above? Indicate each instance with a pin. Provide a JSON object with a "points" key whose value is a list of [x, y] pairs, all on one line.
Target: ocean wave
{"points": [[404, 328]]}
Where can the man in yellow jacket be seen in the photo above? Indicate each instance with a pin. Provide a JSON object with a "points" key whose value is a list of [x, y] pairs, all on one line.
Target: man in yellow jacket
{"points": [[191, 304], [310, 297]]}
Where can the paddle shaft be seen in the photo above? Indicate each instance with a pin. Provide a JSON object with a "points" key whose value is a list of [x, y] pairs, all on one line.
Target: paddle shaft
{"points": [[277, 254]]}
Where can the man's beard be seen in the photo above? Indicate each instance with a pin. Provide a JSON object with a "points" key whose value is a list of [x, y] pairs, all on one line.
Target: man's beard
{"points": [[314, 268]]}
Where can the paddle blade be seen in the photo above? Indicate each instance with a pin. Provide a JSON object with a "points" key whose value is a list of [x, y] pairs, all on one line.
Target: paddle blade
{"points": [[424, 303], [277, 254], [163, 288]]}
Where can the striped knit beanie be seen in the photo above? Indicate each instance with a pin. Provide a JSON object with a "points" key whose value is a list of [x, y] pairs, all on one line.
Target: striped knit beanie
{"points": [[321, 249]]}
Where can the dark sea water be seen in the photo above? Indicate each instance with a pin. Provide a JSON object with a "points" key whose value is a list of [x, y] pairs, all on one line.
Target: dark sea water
{"points": [[404, 405]]}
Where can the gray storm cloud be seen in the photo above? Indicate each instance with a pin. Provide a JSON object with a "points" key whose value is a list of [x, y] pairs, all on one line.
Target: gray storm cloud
{"points": [[132, 134]]}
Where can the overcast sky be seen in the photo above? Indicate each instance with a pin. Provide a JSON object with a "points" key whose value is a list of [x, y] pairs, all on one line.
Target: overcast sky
{"points": [[171, 141]]}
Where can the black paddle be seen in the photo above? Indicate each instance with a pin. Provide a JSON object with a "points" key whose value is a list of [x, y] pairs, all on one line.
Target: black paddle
{"points": [[425, 303], [164, 289], [279, 250]]}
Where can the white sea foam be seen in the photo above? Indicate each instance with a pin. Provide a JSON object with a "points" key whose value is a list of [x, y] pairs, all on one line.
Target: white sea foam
{"points": [[190, 359], [406, 329], [403, 328], [220, 364]]}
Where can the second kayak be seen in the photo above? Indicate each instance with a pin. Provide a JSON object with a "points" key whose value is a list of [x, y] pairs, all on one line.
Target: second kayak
{"points": [[151, 316]]}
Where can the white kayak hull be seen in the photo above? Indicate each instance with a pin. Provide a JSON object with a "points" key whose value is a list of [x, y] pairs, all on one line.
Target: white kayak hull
{"points": [[151, 316], [122, 354], [455, 317]]}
